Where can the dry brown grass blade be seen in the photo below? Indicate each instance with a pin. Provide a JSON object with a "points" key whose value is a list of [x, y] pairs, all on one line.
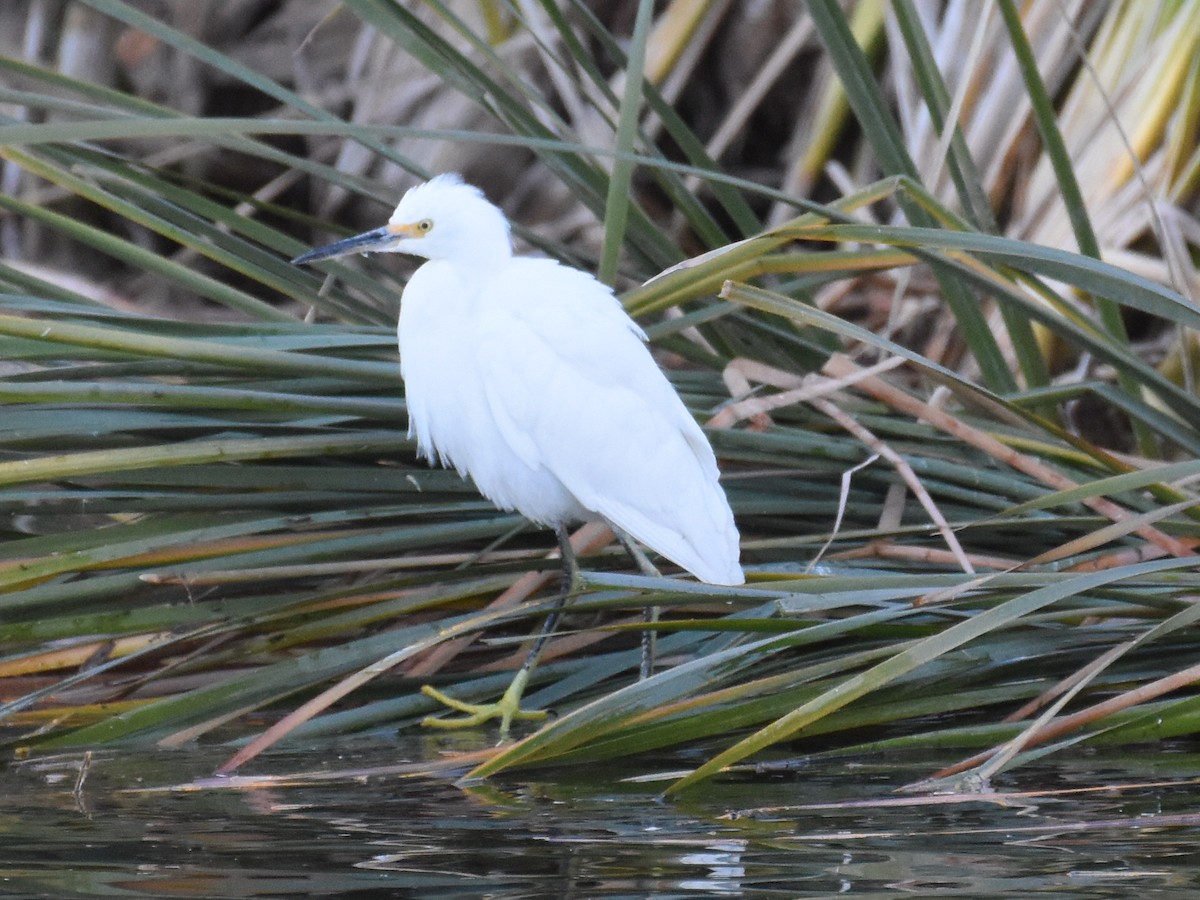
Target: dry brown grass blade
{"points": [[842, 366], [1108, 533], [185, 736], [877, 446], [1066, 691], [1126, 556], [1069, 685], [741, 372], [881, 549], [1059, 727], [77, 655], [313, 707]]}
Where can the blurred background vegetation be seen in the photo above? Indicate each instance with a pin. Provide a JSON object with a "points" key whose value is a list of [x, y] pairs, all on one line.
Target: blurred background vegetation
{"points": [[928, 270]]}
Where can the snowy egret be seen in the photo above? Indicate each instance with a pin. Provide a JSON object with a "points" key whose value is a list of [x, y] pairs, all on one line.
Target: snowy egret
{"points": [[529, 377]]}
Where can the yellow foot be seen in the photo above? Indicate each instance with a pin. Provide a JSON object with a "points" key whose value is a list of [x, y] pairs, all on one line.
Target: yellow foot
{"points": [[506, 709]]}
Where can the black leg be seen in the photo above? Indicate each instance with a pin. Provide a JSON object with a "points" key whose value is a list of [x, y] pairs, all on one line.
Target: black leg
{"points": [[650, 616], [571, 582], [508, 707]]}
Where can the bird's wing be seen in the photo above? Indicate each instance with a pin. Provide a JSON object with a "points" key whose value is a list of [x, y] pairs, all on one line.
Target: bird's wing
{"points": [[573, 389]]}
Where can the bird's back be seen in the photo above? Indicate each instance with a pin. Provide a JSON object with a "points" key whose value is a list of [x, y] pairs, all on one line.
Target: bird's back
{"points": [[574, 391]]}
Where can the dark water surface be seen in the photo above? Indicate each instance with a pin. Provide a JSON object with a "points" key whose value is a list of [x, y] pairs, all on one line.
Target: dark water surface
{"points": [[583, 833]]}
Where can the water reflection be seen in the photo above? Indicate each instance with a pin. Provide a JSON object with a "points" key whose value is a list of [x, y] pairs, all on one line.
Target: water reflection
{"points": [[586, 834]]}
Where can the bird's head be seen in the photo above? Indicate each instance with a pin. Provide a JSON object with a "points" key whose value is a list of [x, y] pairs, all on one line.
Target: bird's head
{"points": [[444, 218]]}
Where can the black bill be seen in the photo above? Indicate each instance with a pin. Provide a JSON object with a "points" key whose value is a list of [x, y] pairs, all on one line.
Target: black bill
{"points": [[369, 242]]}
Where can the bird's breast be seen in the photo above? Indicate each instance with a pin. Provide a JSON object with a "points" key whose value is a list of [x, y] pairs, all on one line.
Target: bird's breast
{"points": [[442, 345]]}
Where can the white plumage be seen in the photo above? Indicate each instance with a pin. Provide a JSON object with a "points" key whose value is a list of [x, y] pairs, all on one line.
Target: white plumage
{"points": [[529, 377]]}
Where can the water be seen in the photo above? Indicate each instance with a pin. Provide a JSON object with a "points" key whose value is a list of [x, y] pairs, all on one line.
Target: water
{"points": [[585, 833]]}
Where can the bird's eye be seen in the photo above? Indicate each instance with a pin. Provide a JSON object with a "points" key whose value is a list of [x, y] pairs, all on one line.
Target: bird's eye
{"points": [[425, 226]]}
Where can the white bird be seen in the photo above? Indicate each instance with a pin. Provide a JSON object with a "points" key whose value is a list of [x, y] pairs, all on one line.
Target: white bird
{"points": [[529, 377]]}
